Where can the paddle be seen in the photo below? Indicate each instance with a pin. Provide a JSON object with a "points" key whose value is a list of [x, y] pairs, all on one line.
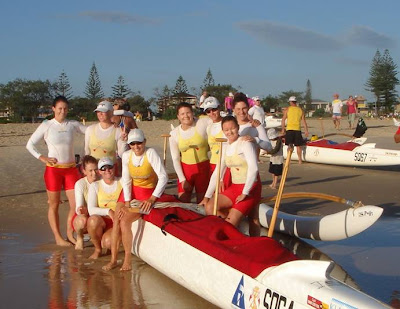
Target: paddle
{"points": [[165, 136], [220, 141], [280, 191]]}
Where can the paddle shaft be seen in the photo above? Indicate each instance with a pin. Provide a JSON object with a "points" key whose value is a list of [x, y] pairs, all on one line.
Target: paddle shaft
{"points": [[165, 136], [280, 191], [219, 141]]}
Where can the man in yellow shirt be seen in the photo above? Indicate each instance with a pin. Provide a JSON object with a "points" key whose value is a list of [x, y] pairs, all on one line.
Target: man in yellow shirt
{"points": [[294, 115]]}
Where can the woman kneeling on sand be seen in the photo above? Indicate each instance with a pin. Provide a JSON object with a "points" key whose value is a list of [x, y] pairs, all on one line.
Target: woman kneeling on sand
{"points": [[243, 195], [143, 178], [89, 165], [102, 199]]}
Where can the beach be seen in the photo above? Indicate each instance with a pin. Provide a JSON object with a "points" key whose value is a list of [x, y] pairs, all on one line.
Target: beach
{"points": [[29, 261]]}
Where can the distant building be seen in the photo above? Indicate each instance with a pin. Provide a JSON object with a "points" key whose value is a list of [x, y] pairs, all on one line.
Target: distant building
{"points": [[172, 101]]}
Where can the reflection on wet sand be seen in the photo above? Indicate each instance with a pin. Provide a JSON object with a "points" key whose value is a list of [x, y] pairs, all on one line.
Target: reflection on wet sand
{"points": [[76, 282]]}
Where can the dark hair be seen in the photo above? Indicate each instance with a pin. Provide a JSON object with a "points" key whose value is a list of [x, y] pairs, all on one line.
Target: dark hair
{"points": [[181, 105], [239, 97], [60, 98], [229, 118], [88, 159]]}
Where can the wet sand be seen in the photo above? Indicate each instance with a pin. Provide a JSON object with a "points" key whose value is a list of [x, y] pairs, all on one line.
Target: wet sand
{"points": [[46, 274]]}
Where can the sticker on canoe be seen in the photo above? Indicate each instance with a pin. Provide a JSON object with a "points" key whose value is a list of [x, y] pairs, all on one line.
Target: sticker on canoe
{"points": [[238, 297], [316, 303], [337, 304], [254, 298]]}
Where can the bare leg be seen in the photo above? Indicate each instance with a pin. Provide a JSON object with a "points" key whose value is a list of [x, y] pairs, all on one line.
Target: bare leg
{"points": [[80, 228], [254, 221], [127, 237], [299, 153], [54, 220], [234, 217], [95, 227], [115, 239], [71, 200], [224, 203], [199, 196]]}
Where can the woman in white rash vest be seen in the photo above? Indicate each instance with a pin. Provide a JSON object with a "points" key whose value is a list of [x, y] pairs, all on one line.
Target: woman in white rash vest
{"points": [[61, 171], [189, 152]]}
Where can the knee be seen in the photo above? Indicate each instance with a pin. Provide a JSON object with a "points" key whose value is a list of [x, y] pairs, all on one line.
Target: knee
{"points": [[106, 242], [93, 221], [80, 222]]}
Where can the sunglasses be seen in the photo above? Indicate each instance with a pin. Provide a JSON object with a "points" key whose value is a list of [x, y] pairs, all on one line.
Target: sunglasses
{"points": [[135, 143], [211, 110], [106, 167]]}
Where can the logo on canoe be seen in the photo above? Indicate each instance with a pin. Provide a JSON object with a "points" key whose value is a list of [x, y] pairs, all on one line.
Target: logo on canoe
{"points": [[238, 297], [254, 298], [316, 303]]}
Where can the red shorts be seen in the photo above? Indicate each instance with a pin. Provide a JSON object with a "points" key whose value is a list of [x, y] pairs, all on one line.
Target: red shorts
{"points": [[254, 197], [142, 194], [57, 178], [227, 175], [108, 221], [198, 175], [398, 131]]}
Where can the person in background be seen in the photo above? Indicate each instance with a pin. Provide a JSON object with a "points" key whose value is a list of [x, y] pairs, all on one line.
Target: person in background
{"points": [[60, 172], [276, 159], [203, 96], [102, 200], [351, 111], [79, 220], [122, 117], [294, 116], [228, 103], [257, 111], [336, 109]]}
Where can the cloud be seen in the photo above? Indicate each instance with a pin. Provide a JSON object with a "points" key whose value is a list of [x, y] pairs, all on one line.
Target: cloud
{"points": [[118, 18], [290, 36], [362, 35]]}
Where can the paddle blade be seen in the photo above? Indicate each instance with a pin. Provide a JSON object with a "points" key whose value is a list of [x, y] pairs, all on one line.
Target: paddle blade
{"points": [[360, 129]]}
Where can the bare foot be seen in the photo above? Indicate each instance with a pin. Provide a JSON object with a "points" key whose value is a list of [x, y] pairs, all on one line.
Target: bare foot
{"points": [[109, 266], [96, 254], [63, 243], [79, 243], [126, 267], [71, 238]]}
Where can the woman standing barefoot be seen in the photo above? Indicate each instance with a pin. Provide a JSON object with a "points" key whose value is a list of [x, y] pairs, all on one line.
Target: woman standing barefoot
{"points": [[61, 171]]}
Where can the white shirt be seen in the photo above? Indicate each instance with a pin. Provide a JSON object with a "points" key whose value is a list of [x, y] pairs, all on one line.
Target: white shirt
{"points": [[92, 203], [201, 127], [257, 112], [59, 138], [103, 134], [155, 162], [81, 186], [247, 151], [258, 133]]}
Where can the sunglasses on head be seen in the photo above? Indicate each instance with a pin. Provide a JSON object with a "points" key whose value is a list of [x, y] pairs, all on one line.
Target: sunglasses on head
{"points": [[135, 143], [211, 110], [106, 167]]}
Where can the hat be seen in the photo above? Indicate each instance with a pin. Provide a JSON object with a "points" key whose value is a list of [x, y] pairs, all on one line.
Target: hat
{"points": [[135, 135], [272, 133], [104, 106], [256, 98], [105, 161], [230, 94], [292, 99], [210, 102]]}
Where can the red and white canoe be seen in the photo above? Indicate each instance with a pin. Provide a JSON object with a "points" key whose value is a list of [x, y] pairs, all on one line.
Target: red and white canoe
{"points": [[215, 261]]}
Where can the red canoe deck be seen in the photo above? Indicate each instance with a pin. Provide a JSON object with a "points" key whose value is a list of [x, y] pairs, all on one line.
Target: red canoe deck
{"points": [[325, 143]]}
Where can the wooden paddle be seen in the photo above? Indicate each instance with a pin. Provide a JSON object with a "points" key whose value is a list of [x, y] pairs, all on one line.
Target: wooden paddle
{"points": [[165, 136], [220, 141], [280, 191]]}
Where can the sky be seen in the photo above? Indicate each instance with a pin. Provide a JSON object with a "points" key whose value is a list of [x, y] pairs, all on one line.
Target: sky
{"points": [[265, 47]]}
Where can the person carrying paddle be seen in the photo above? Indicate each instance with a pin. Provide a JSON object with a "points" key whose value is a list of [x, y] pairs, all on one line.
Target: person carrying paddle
{"points": [[189, 152], [61, 171], [143, 178], [243, 195], [295, 116]]}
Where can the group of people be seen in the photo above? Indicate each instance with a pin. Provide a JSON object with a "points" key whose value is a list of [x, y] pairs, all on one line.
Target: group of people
{"points": [[118, 167], [336, 109]]}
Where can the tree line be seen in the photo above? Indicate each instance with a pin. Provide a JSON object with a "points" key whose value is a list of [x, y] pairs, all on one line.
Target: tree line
{"points": [[28, 98]]}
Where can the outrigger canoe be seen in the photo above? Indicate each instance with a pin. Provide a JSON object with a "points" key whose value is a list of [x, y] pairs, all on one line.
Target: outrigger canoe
{"points": [[351, 153], [215, 261]]}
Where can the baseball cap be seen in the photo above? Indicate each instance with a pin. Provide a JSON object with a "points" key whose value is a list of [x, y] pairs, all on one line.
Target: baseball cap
{"points": [[230, 94], [105, 161], [135, 135], [256, 98], [272, 133], [104, 106], [292, 99], [210, 102]]}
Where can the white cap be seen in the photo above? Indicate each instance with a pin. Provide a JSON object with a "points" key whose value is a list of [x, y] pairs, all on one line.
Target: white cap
{"points": [[135, 135], [105, 161], [104, 106], [210, 102], [272, 133], [256, 98], [230, 94], [292, 99]]}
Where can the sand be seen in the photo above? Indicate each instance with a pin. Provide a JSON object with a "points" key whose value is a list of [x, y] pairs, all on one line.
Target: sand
{"points": [[23, 210]]}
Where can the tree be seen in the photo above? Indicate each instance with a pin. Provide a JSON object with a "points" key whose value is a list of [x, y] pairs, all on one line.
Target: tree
{"points": [[270, 102], [180, 86], [220, 91], [162, 97], [120, 89], [138, 103], [285, 95], [63, 87], [208, 80], [93, 90], [383, 80], [308, 96]]}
